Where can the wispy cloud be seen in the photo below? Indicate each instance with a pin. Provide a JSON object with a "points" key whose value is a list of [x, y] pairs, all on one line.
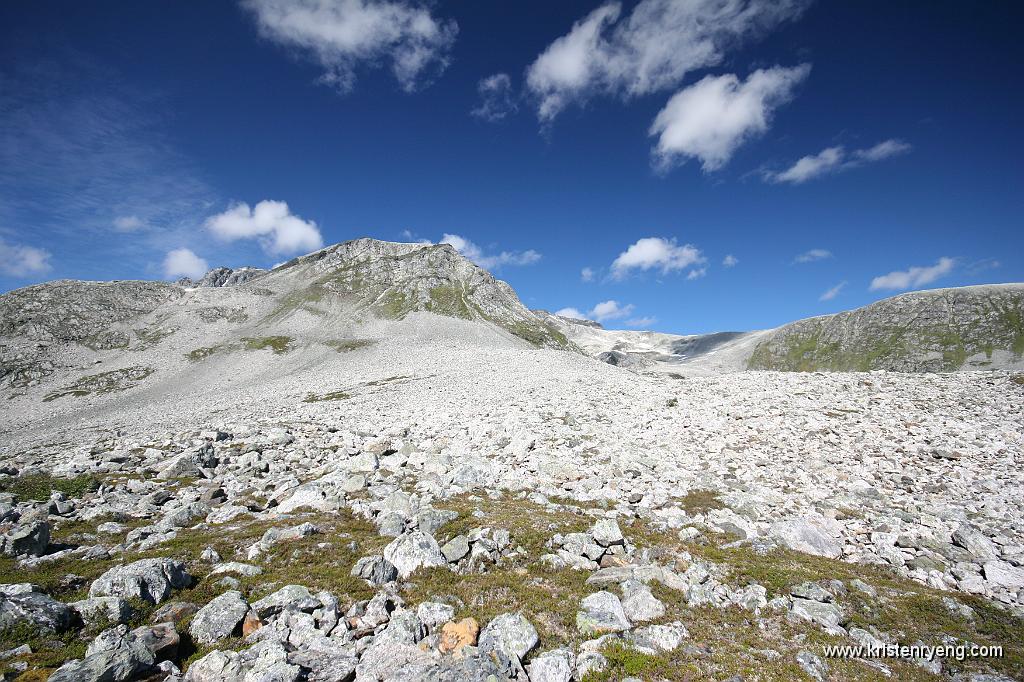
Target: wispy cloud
{"points": [[641, 322], [344, 34], [813, 255], [914, 276], [587, 275], [648, 50], [572, 313], [730, 261], [834, 160], [663, 255], [497, 101], [712, 118], [491, 261], [82, 155], [832, 293]]}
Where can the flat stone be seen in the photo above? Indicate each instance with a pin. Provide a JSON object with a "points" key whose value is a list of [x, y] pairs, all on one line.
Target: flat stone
{"points": [[601, 612]]}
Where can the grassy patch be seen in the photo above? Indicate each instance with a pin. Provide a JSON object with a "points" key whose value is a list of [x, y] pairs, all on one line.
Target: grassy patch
{"points": [[202, 353], [278, 344], [700, 501], [40, 486], [1017, 379], [334, 395]]}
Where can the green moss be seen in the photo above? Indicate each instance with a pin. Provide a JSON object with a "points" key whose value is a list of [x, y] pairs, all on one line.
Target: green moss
{"points": [[278, 344], [700, 501], [40, 487]]}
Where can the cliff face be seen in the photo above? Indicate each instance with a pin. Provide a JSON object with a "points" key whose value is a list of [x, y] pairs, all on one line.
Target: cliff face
{"points": [[942, 330]]}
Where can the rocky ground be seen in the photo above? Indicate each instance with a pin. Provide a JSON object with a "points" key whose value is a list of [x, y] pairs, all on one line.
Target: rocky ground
{"points": [[460, 510]]}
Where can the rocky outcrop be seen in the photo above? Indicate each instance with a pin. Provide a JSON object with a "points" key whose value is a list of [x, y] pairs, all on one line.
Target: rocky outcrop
{"points": [[979, 327], [223, 277]]}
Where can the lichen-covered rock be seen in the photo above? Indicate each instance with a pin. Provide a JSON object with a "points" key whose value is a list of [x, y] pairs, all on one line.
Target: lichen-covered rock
{"points": [[412, 551], [219, 619], [150, 579]]}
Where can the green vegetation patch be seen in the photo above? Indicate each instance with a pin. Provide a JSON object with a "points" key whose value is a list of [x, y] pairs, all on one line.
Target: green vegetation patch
{"points": [[348, 345], [278, 344], [699, 501], [106, 382], [450, 300], [333, 395], [39, 487], [199, 354]]}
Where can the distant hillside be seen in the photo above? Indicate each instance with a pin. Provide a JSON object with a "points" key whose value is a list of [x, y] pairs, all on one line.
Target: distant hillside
{"points": [[943, 330]]}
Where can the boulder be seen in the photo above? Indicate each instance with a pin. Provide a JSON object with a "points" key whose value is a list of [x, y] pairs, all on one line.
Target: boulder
{"points": [[219, 619], [804, 535], [510, 633], [601, 613], [414, 550], [35, 609], [375, 570], [27, 539], [116, 655], [148, 579]]}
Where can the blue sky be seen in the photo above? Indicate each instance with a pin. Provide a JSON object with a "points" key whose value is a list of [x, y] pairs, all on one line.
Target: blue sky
{"points": [[710, 165]]}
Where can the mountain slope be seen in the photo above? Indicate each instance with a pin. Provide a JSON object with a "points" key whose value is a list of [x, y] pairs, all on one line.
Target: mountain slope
{"points": [[978, 327], [56, 337]]}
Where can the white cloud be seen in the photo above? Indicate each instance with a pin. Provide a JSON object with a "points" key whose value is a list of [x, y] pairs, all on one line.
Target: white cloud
{"points": [[655, 252], [587, 274], [496, 99], [21, 260], [710, 119], [572, 313], [730, 261], [914, 276], [641, 321], [835, 159], [883, 150], [184, 263], [812, 255], [649, 50], [278, 230], [610, 310], [696, 273], [492, 261], [832, 293], [341, 34], [128, 223]]}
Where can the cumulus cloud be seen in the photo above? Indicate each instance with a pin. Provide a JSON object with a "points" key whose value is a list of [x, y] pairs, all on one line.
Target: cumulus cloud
{"points": [[656, 253], [730, 261], [496, 99], [342, 34], [696, 273], [648, 50], [572, 313], [183, 263], [610, 310], [587, 274], [813, 255], [915, 276], [835, 159], [489, 261], [21, 260], [272, 223], [832, 293], [712, 118]]}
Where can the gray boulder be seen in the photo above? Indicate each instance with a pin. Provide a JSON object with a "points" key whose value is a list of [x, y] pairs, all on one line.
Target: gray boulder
{"points": [[99, 610], [219, 619], [414, 550], [375, 570], [149, 579], [288, 598], [803, 535], [36, 609], [509, 633], [639, 604], [601, 613], [28, 539], [116, 655], [606, 533], [552, 666]]}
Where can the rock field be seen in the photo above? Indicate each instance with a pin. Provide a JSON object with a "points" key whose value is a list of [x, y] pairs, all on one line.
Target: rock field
{"points": [[476, 512]]}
